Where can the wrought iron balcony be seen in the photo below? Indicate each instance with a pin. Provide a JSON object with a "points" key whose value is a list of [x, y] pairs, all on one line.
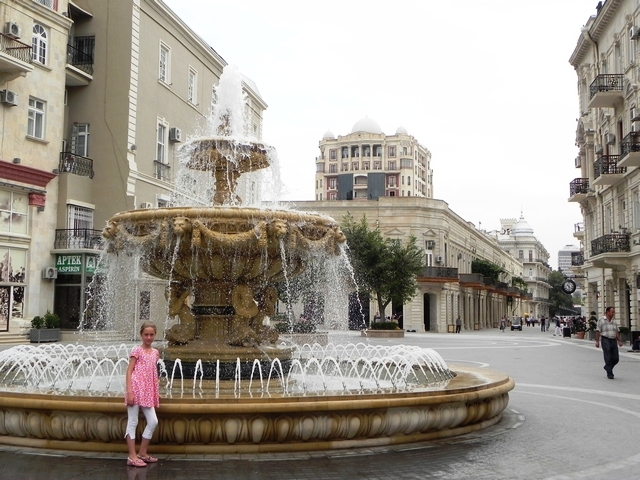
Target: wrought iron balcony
{"points": [[578, 189], [76, 164], [80, 59], [471, 279], [577, 259], [606, 90], [15, 48], [52, 4], [441, 273], [630, 150], [78, 238], [606, 170], [610, 243]]}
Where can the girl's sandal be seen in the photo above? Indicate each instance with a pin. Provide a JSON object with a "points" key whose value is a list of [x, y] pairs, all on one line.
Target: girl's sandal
{"points": [[148, 459], [138, 462]]}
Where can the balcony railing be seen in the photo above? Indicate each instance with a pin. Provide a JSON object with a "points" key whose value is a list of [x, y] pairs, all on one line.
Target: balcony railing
{"points": [[15, 48], [577, 259], [607, 164], [80, 59], [540, 299], [76, 164], [630, 143], [579, 186], [606, 83], [610, 243], [439, 272], [163, 171], [52, 4], [78, 238], [578, 227]]}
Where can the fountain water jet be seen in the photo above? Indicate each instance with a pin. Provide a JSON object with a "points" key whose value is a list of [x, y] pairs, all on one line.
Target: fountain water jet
{"points": [[276, 397]]}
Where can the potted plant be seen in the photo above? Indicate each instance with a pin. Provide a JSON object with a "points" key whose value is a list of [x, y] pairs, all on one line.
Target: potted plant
{"points": [[45, 328], [388, 329], [592, 324], [625, 332], [580, 327]]}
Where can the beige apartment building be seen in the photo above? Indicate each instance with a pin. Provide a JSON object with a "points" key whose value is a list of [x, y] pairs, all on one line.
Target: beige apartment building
{"points": [[447, 288], [106, 94], [367, 164], [607, 188]]}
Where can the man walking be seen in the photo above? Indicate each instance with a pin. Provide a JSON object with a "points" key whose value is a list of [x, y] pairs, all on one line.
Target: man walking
{"points": [[458, 324], [542, 324], [608, 331]]}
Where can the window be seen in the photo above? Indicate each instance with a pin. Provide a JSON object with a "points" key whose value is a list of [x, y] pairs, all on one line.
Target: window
{"points": [[332, 196], [333, 154], [355, 166], [333, 168], [80, 139], [632, 48], [39, 43], [165, 64], [367, 152], [392, 165], [319, 167], [402, 179], [14, 208], [214, 97], [404, 150], [531, 255], [345, 167], [192, 84], [345, 152], [13, 281], [520, 254], [377, 151], [332, 183], [408, 180], [35, 121], [365, 165], [355, 151], [161, 151], [392, 181], [79, 218], [377, 165], [392, 151]]}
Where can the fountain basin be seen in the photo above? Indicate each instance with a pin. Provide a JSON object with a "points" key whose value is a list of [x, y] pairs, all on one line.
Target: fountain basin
{"points": [[473, 400]]}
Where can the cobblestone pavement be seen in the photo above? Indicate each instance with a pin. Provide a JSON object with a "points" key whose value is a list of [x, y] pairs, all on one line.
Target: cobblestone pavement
{"points": [[565, 420]]}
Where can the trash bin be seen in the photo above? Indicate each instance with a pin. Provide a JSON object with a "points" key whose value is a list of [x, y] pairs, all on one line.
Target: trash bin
{"points": [[566, 332]]}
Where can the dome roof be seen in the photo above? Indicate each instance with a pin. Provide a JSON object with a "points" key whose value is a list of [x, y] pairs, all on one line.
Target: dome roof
{"points": [[328, 135], [522, 228], [368, 125], [401, 131]]}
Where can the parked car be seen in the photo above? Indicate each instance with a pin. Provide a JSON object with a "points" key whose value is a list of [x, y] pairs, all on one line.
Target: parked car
{"points": [[516, 323]]}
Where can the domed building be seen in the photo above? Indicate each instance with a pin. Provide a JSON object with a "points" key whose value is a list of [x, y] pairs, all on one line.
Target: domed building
{"points": [[366, 164]]}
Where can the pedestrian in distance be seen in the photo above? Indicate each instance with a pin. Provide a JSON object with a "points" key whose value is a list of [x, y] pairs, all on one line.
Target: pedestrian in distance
{"points": [[143, 393], [503, 324], [458, 324], [558, 331], [542, 324], [608, 331]]}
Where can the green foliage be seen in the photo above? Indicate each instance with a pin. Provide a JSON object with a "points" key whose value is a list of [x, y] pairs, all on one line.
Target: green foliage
{"points": [[297, 326], [384, 326], [558, 298], [579, 325], [51, 320], [37, 322], [592, 322], [520, 283], [624, 330], [487, 269], [383, 267]]}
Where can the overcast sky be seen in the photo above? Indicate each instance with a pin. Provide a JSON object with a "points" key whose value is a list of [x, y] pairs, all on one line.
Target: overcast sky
{"points": [[485, 85]]}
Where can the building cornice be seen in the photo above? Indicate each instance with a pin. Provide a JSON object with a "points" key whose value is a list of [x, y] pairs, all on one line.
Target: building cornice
{"points": [[27, 175], [595, 31]]}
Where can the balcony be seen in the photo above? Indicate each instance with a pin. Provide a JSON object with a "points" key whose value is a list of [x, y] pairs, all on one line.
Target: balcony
{"points": [[630, 150], [578, 189], [15, 58], [540, 299], [610, 251], [474, 280], [577, 259], [78, 239], [606, 170], [75, 164], [606, 91], [163, 171], [79, 71], [52, 4], [578, 230], [438, 275]]}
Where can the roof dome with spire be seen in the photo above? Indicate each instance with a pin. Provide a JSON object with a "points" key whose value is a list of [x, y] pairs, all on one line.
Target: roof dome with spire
{"points": [[522, 228], [368, 125], [328, 135]]}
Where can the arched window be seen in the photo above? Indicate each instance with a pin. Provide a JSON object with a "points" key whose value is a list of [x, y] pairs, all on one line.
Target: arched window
{"points": [[39, 42]]}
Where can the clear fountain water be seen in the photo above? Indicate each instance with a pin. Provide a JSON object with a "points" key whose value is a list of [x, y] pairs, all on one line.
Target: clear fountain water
{"points": [[229, 383]]}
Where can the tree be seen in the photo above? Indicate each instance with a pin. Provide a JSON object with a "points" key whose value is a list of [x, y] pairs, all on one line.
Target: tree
{"points": [[558, 298], [383, 267]]}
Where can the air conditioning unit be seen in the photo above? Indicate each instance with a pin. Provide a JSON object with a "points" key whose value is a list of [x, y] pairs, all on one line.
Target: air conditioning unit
{"points": [[9, 97], [634, 32], [635, 114], [146, 205], [439, 259], [49, 273], [635, 126], [578, 161], [175, 134], [609, 138], [597, 148], [12, 29]]}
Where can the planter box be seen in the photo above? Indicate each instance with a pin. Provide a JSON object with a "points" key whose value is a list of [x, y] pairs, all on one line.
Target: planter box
{"points": [[41, 335], [451, 328], [382, 333], [476, 326]]}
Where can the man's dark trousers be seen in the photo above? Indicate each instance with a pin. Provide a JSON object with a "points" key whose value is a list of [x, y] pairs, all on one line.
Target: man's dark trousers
{"points": [[610, 351]]}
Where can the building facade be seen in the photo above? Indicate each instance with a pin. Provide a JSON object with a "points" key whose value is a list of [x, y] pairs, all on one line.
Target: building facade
{"points": [[102, 100], [607, 188], [367, 164], [517, 238]]}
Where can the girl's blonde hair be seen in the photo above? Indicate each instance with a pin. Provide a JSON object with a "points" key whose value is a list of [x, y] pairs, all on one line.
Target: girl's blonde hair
{"points": [[147, 325]]}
